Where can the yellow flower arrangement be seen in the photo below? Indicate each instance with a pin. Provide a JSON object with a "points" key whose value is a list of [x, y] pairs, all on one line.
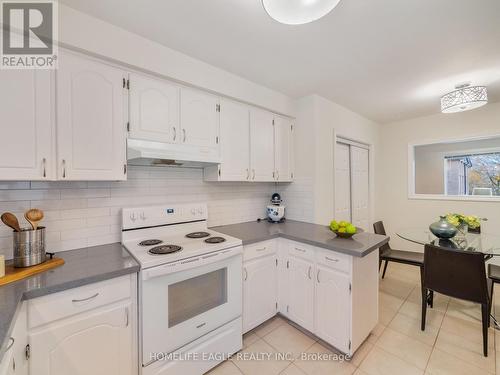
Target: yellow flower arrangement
{"points": [[457, 220]]}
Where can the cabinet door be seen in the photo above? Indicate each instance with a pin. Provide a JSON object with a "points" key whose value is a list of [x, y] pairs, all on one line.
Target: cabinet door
{"points": [[154, 109], [283, 148], [261, 145], [333, 306], [97, 343], [234, 141], [91, 122], [259, 291], [26, 126], [301, 292], [199, 118]]}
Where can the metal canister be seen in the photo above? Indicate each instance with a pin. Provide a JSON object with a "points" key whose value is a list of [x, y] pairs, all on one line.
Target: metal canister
{"points": [[29, 247]]}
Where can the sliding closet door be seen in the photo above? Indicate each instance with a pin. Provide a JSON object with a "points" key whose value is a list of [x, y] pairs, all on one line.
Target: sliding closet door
{"points": [[360, 191], [342, 182]]}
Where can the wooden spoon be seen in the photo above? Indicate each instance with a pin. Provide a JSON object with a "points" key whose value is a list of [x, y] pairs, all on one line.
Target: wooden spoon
{"points": [[34, 216], [11, 221]]}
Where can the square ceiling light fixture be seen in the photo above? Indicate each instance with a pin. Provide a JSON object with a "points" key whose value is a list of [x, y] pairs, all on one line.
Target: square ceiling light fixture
{"points": [[298, 12], [464, 98]]}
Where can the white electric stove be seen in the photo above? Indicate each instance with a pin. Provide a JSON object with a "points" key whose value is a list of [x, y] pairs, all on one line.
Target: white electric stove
{"points": [[190, 287]]}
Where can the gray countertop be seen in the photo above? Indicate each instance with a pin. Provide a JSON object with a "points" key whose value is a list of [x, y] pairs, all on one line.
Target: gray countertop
{"points": [[82, 266], [359, 245]]}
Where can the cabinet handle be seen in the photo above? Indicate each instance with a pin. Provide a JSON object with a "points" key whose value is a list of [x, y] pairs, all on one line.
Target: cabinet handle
{"points": [[126, 317], [277, 175], [261, 249], [299, 249], [64, 168], [44, 164], [85, 299], [246, 274], [12, 340], [253, 173], [309, 272], [184, 133], [317, 277], [331, 260], [248, 174], [175, 133]]}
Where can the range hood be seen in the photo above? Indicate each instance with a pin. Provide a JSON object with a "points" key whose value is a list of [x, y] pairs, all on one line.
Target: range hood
{"points": [[159, 154]]}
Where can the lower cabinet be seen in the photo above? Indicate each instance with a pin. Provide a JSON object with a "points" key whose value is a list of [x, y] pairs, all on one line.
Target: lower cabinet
{"points": [[301, 292], [14, 360], [97, 343], [260, 277], [333, 307], [333, 295]]}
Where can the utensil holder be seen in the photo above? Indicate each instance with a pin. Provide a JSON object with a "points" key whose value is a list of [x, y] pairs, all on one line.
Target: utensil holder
{"points": [[29, 247]]}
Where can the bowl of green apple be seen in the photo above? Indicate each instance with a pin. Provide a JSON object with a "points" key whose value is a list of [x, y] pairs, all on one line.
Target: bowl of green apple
{"points": [[343, 229]]}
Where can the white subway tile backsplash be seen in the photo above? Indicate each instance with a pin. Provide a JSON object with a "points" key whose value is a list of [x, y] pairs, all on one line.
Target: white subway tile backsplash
{"points": [[80, 214]]}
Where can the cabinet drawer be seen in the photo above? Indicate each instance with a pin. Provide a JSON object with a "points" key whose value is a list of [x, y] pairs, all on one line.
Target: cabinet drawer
{"points": [[301, 250], [74, 301], [334, 260], [258, 249]]}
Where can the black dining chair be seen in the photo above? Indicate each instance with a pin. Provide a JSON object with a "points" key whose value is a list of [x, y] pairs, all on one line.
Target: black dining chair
{"points": [[389, 254], [458, 274], [494, 276]]}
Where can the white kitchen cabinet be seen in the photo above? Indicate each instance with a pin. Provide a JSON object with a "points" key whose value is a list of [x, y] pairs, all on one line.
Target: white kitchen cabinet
{"points": [[234, 141], [97, 343], [14, 360], [333, 307], [154, 109], [300, 307], [259, 291], [261, 145], [283, 149], [91, 119], [26, 144], [199, 118]]}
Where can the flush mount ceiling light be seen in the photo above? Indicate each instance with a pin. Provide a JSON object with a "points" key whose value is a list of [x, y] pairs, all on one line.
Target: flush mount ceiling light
{"points": [[464, 98], [297, 12]]}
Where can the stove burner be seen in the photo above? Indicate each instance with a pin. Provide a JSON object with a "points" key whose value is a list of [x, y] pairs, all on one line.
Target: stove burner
{"points": [[197, 235], [164, 249], [215, 240], [150, 242]]}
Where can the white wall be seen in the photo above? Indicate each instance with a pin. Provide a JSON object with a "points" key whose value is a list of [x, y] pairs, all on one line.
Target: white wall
{"points": [[318, 122], [81, 214], [89, 34], [393, 204]]}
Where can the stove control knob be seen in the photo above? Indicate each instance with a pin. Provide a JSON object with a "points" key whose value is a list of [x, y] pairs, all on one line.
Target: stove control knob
{"points": [[133, 217], [200, 211], [143, 216], [193, 211]]}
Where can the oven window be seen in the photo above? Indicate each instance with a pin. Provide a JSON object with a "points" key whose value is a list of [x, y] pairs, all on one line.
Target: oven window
{"points": [[192, 297]]}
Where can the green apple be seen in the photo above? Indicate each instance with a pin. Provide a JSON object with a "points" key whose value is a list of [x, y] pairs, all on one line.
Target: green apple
{"points": [[342, 230], [343, 224], [351, 229], [334, 225]]}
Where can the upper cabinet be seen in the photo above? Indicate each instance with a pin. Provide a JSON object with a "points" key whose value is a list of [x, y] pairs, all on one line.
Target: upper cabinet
{"points": [[26, 146], [91, 122], [199, 118], [261, 145], [235, 141], [283, 149], [255, 145], [154, 109]]}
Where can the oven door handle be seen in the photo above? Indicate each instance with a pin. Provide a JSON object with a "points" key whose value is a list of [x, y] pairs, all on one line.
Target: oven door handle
{"points": [[189, 263]]}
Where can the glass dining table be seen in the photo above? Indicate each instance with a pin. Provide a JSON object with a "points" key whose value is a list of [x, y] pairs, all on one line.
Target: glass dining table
{"points": [[488, 244]]}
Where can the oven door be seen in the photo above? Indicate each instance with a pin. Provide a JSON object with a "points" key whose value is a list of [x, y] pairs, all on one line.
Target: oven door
{"points": [[182, 306]]}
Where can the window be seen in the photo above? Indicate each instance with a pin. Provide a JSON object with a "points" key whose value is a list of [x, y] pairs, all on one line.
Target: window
{"points": [[469, 168], [473, 174]]}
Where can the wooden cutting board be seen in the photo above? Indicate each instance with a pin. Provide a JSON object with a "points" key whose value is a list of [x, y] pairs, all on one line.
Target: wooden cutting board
{"points": [[14, 274]]}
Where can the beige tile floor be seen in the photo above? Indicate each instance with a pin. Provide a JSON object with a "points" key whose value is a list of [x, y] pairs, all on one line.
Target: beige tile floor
{"points": [[451, 343]]}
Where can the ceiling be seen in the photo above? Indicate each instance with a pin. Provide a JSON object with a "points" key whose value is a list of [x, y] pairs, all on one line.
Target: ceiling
{"points": [[385, 59]]}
